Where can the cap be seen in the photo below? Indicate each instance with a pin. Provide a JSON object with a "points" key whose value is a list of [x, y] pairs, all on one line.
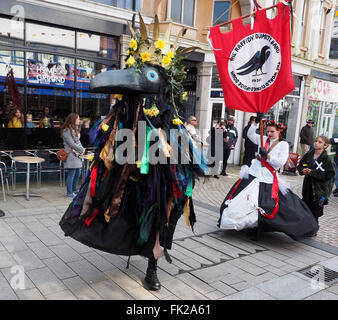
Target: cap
{"points": [[231, 118], [310, 121]]}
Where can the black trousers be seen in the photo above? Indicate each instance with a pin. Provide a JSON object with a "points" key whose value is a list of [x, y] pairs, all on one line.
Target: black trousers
{"points": [[226, 154]]}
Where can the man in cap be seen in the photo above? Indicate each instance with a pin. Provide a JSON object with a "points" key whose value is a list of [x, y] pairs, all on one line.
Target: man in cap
{"points": [[230, 138], [306, 136]]}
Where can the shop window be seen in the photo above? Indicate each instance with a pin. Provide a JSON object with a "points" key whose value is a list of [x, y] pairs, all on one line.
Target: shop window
{"points": [[183, 11], [47, 38], [90, 105], [11, 31], [95, 45], [221, 12], [50, 83]]}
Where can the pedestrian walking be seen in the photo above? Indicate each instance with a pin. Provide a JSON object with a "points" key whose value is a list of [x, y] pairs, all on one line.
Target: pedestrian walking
{"points": [[230, 139], [306, 136], [319, 174], [250, 148], [214, 144], [334, 141], [70, 133], [259, 200]]}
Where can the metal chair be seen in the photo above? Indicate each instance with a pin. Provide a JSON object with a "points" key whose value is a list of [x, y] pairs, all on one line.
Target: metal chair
{"points": [[4, 175], [50, 165]]}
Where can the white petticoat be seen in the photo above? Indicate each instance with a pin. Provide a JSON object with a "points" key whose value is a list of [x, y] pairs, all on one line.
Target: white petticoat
{"points": [[241, 212]]}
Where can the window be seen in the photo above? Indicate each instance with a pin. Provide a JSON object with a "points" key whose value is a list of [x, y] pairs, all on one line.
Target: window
{"points": [[90, 104], [43, 37], [221, 12], [98, 46], [322, 31], [303, 23], [134, 5], [182, 11], [11, 31], [334, 48]]}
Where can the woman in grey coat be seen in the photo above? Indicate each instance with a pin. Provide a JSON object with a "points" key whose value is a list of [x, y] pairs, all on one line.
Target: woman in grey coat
{"points": [[70, 133]]}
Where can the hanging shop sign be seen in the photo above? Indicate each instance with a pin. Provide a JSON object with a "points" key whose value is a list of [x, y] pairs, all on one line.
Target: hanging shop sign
{"points": [[322, 90]]}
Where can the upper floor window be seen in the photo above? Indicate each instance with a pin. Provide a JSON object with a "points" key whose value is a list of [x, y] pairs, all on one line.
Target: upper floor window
{"points": [[303, 23], [221, 12], [182, 11], [133, 5], [334, 48], [322, 31]]}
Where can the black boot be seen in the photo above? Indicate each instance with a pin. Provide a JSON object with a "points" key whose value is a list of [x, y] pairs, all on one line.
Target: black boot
{"points": [[151, 281], [255, 233]]}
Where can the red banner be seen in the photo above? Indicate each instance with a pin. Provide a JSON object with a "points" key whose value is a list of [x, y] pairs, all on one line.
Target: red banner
{"points": [[255, 65]]}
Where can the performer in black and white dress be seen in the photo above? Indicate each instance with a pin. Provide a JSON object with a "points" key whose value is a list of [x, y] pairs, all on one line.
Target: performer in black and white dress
{"points": [[259, 199]]}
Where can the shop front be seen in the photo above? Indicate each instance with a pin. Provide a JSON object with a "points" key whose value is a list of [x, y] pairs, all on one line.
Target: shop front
{"points": [[52, 67], [323, 107], [288, 111]]}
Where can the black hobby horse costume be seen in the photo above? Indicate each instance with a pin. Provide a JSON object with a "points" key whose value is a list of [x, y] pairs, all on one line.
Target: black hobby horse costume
{"points": [[130, 207]]}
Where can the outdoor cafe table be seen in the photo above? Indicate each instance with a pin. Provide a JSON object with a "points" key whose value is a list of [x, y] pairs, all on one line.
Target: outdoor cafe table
{"points": [[85, 166], [28, 160]]}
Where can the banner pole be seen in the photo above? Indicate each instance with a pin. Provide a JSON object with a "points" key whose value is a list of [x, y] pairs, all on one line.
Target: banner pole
{"points": [[261, 130]]}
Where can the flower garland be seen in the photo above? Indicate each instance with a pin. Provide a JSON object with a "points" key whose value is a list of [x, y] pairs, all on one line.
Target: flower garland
{"points": [[143, 51]]}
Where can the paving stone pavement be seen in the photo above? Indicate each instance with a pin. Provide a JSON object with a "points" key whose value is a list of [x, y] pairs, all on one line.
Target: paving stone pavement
{"points": [[38, 263]]}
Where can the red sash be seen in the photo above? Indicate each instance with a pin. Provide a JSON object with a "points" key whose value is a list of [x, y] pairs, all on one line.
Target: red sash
{"points": [[274, 191]]}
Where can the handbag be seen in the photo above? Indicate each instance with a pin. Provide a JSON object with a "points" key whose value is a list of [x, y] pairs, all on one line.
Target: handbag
{"points": [[62, 155]]}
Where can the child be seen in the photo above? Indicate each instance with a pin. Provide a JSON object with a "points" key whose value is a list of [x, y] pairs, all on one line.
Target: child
{"points": [[319, 174], [29, 120]]}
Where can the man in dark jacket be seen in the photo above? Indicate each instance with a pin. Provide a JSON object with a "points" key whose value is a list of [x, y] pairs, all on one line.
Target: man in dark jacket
{"points": [[230, 138], [215, 144], [306, 136], [334, 142], [250, 148]]}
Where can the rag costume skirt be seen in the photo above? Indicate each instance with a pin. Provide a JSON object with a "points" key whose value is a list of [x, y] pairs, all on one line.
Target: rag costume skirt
{"points": [[133, 230], [251, 198]]}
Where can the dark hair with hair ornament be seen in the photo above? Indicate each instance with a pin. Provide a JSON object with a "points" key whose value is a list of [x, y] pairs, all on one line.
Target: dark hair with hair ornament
{"points": [[277, 125]]}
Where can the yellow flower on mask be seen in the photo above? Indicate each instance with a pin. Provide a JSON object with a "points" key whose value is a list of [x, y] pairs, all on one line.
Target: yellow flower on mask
{"points": [[118, 96], [170, 54], [152, 112], [90, 157], [166, 61], [133, 44], [177, 122], [105, 127], [159, 44], [145, 56], [130, 61]]}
